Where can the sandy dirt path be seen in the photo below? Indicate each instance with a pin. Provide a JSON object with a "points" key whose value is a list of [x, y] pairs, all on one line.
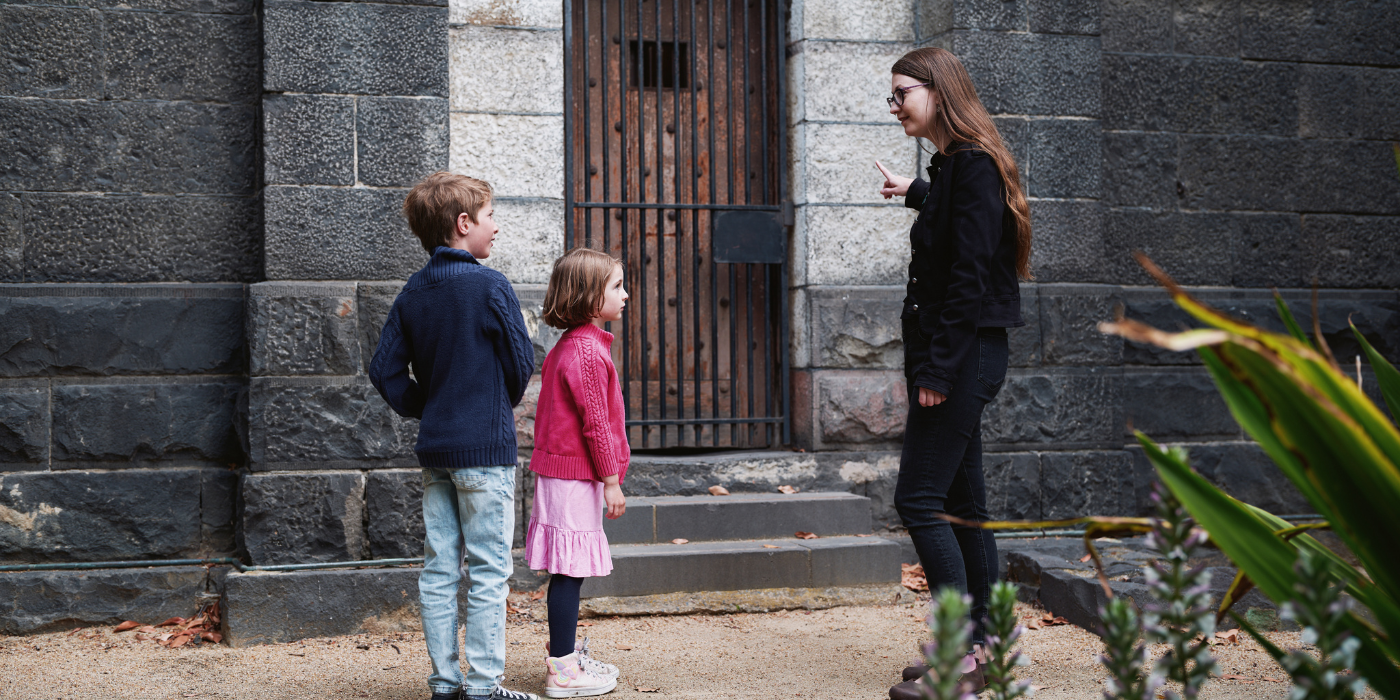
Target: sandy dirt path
{"points": [[852, 653]]}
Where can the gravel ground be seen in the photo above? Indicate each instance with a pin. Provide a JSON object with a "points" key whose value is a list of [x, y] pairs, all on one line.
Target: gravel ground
{"points": [[847, 653]]}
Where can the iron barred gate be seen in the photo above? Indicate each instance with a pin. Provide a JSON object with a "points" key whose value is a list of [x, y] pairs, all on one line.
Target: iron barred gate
{"points": [[674, 153]]}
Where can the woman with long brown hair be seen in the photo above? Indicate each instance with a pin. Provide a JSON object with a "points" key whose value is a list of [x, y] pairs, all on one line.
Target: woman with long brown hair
{"points": [[969, 247]]}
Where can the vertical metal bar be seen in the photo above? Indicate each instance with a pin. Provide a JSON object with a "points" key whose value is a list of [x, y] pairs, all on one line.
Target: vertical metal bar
{"points": [[780, 25], [660, 229], [714, 282], [763, 98], [748, 340], [767, 352], [733, 359], [694, 170], [642, 215], [729, 157], [603, 129], [627, 323], [587, 130], [748, 138], [676, 195], [568, 125]]}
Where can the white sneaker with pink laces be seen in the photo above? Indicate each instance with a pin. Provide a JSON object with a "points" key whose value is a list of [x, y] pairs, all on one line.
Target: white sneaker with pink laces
{"points": [[567, 677]]}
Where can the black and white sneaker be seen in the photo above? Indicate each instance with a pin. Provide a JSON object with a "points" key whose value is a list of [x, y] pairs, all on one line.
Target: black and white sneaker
{"points": [[501, 693]]}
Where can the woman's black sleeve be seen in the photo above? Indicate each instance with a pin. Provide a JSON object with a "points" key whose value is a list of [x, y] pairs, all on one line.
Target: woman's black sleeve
{"points": [[975, 219], [918, 191]]}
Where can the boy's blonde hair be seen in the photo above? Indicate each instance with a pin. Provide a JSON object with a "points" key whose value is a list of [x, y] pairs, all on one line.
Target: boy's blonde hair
{"points": [[432, 206], [576, 286]]}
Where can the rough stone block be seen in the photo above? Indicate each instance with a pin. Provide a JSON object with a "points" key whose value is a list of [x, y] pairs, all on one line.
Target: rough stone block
{"points": [[758, 516], [121, 425], [542, 335], [1207, 27], [702, 566], [1013, 485], [125, 329], [322, 47], [1079, 598], [11, 239], [1338, 102], [1076, 483], [296, 246], [1069, 408], [1025, 343], [1241, 469], [531, 237], [494, 69], [1176, 405], [170, 56], [1137, 26], [1016, 134], [846, 81], [140, 238], [218, 511], [536, 142], [825, 170], [128, 146], [1360, 33], [1069, 241], [400, 140], [985, 14], [206, 6], [325, 423], [1192, 248], [742, 472], [1065, 158], [507, 13], [1139, 91], [33, 602], [1242, 172], [857, 328], [304, 518], [24, 427], [1351, 251], [1065, 16], [870, 474], [1139, 169], [1069, 320], [840, 249], [100, 516], [1268, 251], [309, 140], [394, 513], [1200, 95], [861, 406], [1032, 73], [264, 608], [302, 328], [373, 299], [51, 52], [864, 20]]}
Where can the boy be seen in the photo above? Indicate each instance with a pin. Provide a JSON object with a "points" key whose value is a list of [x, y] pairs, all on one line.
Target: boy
{"points": [[458, 324]]}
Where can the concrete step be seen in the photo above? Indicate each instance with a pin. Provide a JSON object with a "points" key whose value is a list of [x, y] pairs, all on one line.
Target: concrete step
{"points": [[739, 517], [748, 564]]}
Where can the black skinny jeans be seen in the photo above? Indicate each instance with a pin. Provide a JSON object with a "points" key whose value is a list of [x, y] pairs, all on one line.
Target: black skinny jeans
{"points": [[940, 471]]}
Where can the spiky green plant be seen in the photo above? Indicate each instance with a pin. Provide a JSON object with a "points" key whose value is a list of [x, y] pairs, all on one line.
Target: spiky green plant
{"points": [[1002, 633], [1124, 655], [950, 637], [1181, 614]]}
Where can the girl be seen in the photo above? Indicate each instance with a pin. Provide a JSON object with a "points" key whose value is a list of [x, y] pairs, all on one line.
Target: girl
{"points": [[580, 458], [969, 246]]}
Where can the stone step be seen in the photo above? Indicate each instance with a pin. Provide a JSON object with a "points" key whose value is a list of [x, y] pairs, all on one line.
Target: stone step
{"points": [[642, 569], [745, 516]]}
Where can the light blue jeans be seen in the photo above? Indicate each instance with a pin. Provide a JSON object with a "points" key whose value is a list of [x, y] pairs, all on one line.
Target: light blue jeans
{"points": [[467, 513]]}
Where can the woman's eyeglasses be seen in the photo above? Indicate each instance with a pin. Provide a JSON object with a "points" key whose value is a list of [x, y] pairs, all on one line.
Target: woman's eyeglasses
{"points": [[896, 98]]}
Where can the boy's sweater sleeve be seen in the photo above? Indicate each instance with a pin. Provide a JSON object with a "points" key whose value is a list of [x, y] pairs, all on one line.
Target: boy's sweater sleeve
{"points": [[513, 346], [388, 371], [588, 385]]}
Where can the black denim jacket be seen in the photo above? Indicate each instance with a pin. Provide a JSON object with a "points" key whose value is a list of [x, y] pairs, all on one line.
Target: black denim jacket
{"points": [[962, 275]]}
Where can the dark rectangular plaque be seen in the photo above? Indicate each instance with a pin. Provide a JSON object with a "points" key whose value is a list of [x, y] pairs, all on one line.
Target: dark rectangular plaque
{"points": [[749, 237]]}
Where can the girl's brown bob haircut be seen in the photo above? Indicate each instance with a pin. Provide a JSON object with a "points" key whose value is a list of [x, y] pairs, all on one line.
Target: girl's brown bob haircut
{"points": [[576, 286]]}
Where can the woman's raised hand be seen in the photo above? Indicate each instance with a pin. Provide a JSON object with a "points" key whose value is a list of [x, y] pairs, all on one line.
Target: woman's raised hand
{"points": [[894, 184]]}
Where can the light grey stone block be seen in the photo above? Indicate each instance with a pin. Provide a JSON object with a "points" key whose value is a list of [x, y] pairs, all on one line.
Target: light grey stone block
{"points": [[299, 244], [494, 69], [862, 20], [534, 144], [826, 171], [846, 81], [177, 56], [309, 140], [531, 237], [842, 250], [51, 51], [507, 13], [857, 328], [304, 518], [325, 423], [861, 406], [324, 47], [122, 425], [400, 140], [298, 328]]}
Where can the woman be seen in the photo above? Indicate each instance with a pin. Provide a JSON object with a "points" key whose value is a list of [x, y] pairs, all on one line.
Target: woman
{"points": [[970, 244]]}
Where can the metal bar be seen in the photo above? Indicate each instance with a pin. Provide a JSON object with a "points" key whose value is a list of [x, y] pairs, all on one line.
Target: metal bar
{"points": [[763, 97], [694, 170], [767, 350], [729, 105], [748, 337], [733, 362], [660, 229], [627, 323], [784, 323], [714, 282], [603, 128], [721, 421], [587, 129], [748, 87], [640, 75], [568, 124], [676, 195], [676, 205]]}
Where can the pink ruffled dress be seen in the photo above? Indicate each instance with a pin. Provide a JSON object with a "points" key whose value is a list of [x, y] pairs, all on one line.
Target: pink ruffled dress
{"points": [[566, 528]]}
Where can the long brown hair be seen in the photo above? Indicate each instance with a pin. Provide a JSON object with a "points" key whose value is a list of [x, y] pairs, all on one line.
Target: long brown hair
{"points": [[963, 117]]}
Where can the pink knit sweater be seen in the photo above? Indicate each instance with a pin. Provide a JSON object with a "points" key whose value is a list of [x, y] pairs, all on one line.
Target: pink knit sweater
{"points": [[579, 430]]}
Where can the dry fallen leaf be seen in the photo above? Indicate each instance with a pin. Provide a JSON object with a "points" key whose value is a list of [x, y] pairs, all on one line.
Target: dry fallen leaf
{"points": [[172, 621], [865, 535], [624, 647], [1034, 625], [771, 546], [1231, 636], [801, 535], [788, 489], [912, 577], [214, 637], [585, 624], [718, 490], [537, 595], [179, 641], [680, 540], [640, 689], [1232, 677], [1272, 680], [128, 625], [1085, 558]]}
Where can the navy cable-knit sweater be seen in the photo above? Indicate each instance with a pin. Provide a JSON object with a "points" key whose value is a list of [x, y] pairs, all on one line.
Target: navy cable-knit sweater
{"points": [[458, 324]]}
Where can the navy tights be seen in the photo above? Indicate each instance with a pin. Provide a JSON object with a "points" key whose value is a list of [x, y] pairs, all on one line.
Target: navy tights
{"points": [[563, 613]]}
